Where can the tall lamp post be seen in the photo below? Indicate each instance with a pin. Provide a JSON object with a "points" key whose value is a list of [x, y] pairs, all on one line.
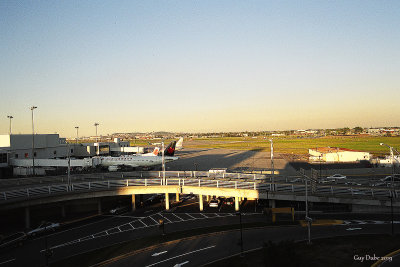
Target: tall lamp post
{"points": [[392, 184], [272, 163], [98, 146], [239, 213], [95, 125], [33, 142], [10, 117], [77, 128], [163, 163]]}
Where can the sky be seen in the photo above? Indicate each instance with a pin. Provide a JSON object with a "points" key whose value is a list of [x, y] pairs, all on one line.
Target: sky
{"points": [[198, 66]]}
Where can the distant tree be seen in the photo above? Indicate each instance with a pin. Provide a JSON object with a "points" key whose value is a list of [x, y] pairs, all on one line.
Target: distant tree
{"points": [[345, 130], [358, 129]]}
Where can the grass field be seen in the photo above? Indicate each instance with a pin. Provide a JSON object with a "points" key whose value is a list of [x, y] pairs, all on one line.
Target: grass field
{"points": [[290, 144]]}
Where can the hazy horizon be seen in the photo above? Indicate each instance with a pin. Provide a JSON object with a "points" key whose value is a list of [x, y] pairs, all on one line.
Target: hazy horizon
{"points": [[186, 66]]}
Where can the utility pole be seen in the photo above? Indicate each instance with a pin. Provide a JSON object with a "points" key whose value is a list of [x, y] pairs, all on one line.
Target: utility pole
{"points": [[33, 142]]}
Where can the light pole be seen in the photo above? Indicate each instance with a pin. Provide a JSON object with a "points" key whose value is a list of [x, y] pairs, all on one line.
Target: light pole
{"points": [[392, 184], [241, 233], [10, 117], [163, 163], [98, 145], [272, 163], [95, 125], [77, 128], [307, 218], [33, 142]]}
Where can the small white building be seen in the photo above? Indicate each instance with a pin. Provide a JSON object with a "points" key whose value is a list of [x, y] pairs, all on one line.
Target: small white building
{"points": [[336, 154]]}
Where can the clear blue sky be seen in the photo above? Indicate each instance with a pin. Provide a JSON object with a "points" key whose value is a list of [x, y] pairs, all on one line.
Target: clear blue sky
{"points": [[198, 65]]}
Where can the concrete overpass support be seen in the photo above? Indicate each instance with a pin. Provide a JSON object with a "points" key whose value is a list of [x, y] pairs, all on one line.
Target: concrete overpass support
{"points": [[63, 211], [272, 203], [208, 198], [177, 197], [201, 202], [99, 206], [133, 202], [27, 218], [167, 201], [236, 203]]}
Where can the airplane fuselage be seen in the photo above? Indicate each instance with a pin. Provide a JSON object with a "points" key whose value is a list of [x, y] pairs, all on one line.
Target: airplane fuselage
{"points": [[135, 161]]}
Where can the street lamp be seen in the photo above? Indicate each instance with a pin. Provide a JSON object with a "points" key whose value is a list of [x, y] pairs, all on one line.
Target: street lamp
{"points": [[272, 162], [95, 125], [163, 163], [77, 128], [10, 117], [392, 184], [33, 142], [98, 145], [241, 233]]}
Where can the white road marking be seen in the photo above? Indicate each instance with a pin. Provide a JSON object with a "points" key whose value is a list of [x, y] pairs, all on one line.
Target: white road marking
{"points": [[355, 228], [177, 217], [7, 261], [360, 222], [190, 215], [159, 253], [153, 219], [204, 215], [180, 264], [165, 218], [143, 223], [180, 255], [147, 211]]}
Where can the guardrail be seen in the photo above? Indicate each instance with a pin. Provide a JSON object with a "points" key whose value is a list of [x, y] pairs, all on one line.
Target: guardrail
{"points": [[289, 188], [122, 175]]}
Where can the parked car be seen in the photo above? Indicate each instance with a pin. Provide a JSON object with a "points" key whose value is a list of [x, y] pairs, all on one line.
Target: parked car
{"points": [[43, 228], [213, 203], [229, 201], [119, 210], [13, 240], [154, 199], [297, 180], [387, 181], [336, 177]]}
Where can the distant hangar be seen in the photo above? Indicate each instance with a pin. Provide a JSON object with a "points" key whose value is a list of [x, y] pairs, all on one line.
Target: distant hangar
{"points": [[336, 154]]}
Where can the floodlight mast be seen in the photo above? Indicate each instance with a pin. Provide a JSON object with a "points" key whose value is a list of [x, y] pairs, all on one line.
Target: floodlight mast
{"points": [[10, 117], [392, 184], [33, 142]]}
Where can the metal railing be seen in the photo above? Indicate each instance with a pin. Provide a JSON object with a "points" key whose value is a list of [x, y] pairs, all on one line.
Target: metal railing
{"points": [[262, 186]]}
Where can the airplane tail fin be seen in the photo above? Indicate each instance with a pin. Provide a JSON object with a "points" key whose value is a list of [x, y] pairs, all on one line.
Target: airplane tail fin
{"points": [[179, 144], [169, 150], [154, 153]]}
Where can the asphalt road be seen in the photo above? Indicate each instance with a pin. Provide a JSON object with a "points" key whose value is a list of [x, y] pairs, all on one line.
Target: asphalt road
{"points": [[108, 230], [205, 249]]}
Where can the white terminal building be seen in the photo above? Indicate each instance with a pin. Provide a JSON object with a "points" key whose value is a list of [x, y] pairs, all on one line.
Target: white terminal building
{"points": [[16, 150], [336, 154]]}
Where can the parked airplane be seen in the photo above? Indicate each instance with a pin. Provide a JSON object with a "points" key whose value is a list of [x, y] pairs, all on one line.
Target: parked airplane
{"points": [[146, 160], [179, 144]]}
